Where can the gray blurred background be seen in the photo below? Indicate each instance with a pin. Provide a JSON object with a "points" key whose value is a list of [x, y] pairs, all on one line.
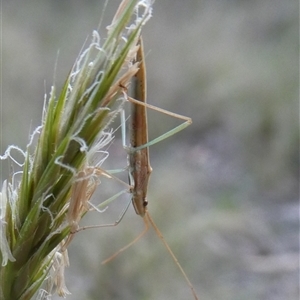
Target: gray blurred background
{"points": [[224, 192]]}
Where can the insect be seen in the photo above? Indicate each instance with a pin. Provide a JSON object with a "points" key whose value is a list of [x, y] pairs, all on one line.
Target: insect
{"points": [[138, 155], [139, 169]]}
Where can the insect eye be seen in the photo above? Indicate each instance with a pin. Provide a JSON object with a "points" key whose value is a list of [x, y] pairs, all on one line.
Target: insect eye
{"points": [[145, 203]]}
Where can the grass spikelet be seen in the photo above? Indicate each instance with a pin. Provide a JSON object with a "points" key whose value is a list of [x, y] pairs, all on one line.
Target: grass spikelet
{"points": [[43, 202]]}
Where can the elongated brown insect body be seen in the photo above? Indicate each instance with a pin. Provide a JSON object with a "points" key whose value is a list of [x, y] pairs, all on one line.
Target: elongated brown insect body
{"points": [[139, 163]]}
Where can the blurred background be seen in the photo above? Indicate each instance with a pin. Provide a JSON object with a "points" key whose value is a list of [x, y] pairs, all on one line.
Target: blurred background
{"points": [[224, 192]]}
